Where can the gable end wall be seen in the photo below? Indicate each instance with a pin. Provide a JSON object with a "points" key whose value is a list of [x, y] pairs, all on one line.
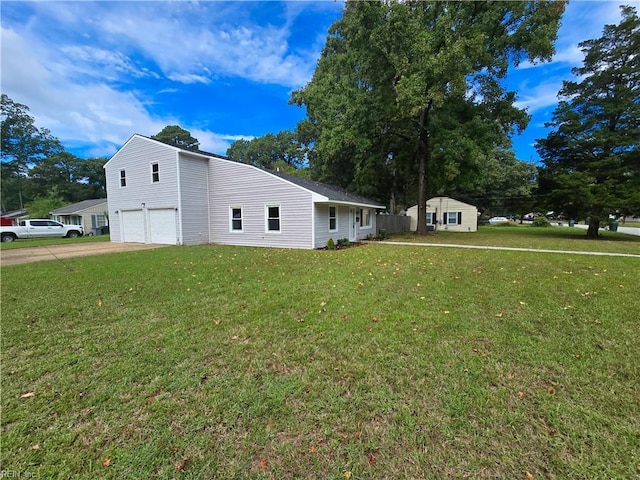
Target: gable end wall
{"points": [[136, 158]]}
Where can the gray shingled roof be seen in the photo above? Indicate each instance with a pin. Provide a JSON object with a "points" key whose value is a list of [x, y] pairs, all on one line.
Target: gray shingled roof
{"points": [[78, 207], [333, 193]]}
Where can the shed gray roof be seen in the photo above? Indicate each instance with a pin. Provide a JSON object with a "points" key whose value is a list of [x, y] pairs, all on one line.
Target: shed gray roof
{"points": [[78, 207]]}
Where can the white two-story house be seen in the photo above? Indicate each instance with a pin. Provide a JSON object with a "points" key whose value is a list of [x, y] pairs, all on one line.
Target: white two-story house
{"points": [[159, 193]]}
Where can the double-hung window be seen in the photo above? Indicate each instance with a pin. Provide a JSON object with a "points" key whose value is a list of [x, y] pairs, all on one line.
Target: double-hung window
{"points": [[155, 172], [273, 218], [333, 219], [365, 218], [452, 218], [235, 219], [123, 178]]}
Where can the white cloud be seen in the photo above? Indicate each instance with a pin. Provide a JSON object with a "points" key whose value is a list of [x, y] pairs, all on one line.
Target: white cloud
{"points": [[216, 142], [539, 96], [74, 63], [98, 62]]}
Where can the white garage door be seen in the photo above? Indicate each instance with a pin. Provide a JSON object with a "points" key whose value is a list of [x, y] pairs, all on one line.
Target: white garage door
{"points": [[162, 226], [132, 226]]}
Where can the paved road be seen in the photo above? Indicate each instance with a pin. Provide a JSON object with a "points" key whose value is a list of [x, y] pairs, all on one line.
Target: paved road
{"points": [[19, 256]]}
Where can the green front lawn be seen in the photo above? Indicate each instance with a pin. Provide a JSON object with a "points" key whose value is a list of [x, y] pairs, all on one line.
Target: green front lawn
{"points": [[372, 362], [40, 242], [526, 236]]}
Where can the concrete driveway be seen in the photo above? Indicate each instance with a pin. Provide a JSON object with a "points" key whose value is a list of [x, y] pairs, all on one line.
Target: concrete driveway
{"points": [[19, 256]]}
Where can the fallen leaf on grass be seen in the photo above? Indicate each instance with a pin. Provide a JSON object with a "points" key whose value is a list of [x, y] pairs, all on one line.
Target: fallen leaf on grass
{"points": [[28, 395], [551, 389], [180, 466], [346, 475], [106, 461], [499, 315], [312, 450], [35, 447], [521, 394], [263, 464], [372, 459], [529, 475]]}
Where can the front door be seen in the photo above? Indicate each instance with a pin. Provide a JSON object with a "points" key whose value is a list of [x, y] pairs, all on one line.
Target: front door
{"points": [[353, 219]]}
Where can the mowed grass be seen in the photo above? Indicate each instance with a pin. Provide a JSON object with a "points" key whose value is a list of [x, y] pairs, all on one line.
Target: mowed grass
{"points": [[39, 242], [372, 362], [526, 236]]}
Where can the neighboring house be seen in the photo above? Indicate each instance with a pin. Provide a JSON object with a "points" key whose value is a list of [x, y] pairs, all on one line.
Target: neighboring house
{"points": [[90, 214], [444, 213], [8, 219], [160, 193]]}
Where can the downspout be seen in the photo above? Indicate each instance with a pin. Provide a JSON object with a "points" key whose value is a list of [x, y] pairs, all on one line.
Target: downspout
{"points": [[179, 241]]}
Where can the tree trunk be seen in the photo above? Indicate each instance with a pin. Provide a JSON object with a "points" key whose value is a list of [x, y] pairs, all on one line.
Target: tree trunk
{"points": [[424, 155], [594, 225]]}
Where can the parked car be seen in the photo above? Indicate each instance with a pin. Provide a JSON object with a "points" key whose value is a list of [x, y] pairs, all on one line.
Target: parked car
{"points": [[40, 228], [497, 220]]}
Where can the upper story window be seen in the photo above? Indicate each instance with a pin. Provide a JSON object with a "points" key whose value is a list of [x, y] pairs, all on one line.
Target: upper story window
{"points": [[236, 219], [333, 219], [123, 178], [155, 172], [273, 218]]}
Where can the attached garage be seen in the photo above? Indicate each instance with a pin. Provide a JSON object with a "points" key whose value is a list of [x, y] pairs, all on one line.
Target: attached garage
{"points": [[132, 226], [162, 226]]}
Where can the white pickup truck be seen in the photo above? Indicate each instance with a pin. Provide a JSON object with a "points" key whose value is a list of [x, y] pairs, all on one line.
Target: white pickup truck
{"points": [[40, 228]]}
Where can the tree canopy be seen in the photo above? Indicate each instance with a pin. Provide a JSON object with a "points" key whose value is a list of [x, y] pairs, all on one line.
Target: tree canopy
{"points": [[592, 156], [35, 168], [409, 93], [269, 149], [22, 143], [177, 136]]}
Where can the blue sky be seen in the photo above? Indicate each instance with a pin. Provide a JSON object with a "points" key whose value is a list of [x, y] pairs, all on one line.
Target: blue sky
{"points": [[94, 73]]}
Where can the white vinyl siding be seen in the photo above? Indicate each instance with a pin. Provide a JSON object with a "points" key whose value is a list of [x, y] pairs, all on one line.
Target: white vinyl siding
{"points": [[233, 184], [194, 204], [322, 233], [134, 158]]}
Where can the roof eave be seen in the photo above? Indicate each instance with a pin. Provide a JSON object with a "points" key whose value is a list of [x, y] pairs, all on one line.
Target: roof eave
{"points": [[351, 204]]}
